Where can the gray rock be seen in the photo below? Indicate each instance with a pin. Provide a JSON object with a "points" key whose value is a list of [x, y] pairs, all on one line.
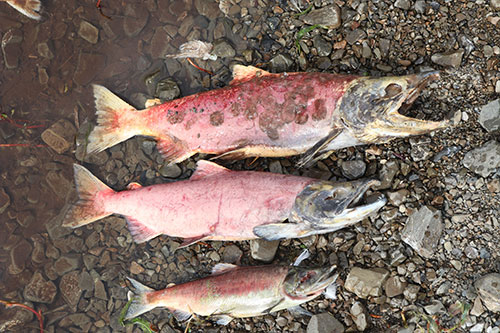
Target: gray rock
{"points": [[436, 307], [411, 292], [402, 4], [100, 290], [88, 66], [275, 167], [490, 116], [354, 36], [484, 160], [398, 197], [263, 250], [11, 48], [448, 59], [44, 50], [231, 254], [78, 319], [359, 316], [18, 256], [420, 148], [387, 174], [167, 89], [136, 17], [38, 254], [281, 63], [60, 136], [423, 230], [495, 4], [70, 289], [353, 169], [86, 282], [170, 171], [4, 200], [39, 290], [66, 264], [160, 44], [328, 17], [497, 87], [394, 286], [324, 48], [420, 6], [366, 282], [488, 289], [88, 32], [208, 8], [223, 49], [324, 323]]}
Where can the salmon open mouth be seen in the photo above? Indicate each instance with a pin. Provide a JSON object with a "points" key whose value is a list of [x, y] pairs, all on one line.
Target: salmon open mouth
{"points": [[413, 93]]}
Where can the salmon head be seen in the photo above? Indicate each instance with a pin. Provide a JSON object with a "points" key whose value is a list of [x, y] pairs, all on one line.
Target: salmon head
{"points": [[307, 283], [370, 107], [328, 206]]}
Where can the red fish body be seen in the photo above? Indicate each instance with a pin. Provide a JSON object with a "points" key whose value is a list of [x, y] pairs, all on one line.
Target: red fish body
{"points": [[219, 204], [265, 114]]}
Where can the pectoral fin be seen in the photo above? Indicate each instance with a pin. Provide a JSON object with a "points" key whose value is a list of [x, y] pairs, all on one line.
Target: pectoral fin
{"points": [[276, 231], [311, 155], [189, 241], [223, 319]]}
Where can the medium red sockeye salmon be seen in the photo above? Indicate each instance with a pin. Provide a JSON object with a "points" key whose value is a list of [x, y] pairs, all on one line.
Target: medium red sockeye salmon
{"points": [[219, 204], [236, 292], [269, 115]]}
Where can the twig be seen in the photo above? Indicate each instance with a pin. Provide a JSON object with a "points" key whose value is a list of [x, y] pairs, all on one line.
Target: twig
{"points": [[38, 313], [21, 145], [198, 67]]}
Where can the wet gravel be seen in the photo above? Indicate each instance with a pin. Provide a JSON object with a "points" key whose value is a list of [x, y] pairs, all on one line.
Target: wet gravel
{"points": [[391, 279]]}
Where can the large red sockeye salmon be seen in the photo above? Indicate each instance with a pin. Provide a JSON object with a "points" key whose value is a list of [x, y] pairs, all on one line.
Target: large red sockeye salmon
{"points": [[269, 115], [236, 292], [219, 204]]}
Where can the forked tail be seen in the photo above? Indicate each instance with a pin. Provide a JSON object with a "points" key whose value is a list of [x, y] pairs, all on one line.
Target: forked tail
{"points": [[115, 121], [88, 208], [139, 303]]}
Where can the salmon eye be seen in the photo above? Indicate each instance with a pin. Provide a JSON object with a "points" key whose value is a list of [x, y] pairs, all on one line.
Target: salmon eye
{"points": [[392, 90]]}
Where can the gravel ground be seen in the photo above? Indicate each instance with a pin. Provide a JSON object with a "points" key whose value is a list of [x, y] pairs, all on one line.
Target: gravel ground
{"points": [[430, 256]]}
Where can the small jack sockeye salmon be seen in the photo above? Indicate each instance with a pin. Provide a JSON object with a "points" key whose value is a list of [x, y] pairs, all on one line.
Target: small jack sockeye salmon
{"points": [[219, 204], [236, 292], [30, 8], [269, 115]]}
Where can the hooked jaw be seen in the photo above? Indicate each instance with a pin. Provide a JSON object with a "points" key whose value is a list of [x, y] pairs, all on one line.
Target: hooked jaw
{"points": [[371, 107], [308, 283]]}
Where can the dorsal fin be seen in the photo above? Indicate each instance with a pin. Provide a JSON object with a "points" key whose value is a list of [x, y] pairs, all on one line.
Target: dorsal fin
{"points": [[206, 169], [133, 186], [223, 268], [244, 73]]}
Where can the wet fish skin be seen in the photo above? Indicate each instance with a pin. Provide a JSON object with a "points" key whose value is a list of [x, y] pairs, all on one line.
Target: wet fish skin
{"points": [[30, 8], [219, 204], [269, 115], [236, 292]]}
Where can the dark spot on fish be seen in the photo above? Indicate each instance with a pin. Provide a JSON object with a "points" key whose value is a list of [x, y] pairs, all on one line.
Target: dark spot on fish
{"points": [[269, 124], [235, 109], [217, 118], [190, 122], [250, 112], [198, 135], [319, 112], [288, 114], [175, 117], [301, 118]]}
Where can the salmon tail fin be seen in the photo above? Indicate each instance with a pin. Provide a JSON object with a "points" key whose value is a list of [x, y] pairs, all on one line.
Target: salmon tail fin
{"points": [[30, 8], [139, 303], [277, 231], [87, 209], [115, 121]]}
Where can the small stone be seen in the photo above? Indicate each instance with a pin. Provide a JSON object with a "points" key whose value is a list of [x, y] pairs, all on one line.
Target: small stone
{"points": [[387, 174], [88, 32], [223, 49], [44, 50], [88, 66], [477, 308], [394, 286], [100, 290], [208, 8], [436, 307], [135, 268], [366, 282], [70, 289], [484, 160], [4, 200], [60, 136], [263, 250], [398, 197], [167, 89], [281, 63], [411, 292], [231, 254], [448, 59], [420, 6], [66, 264], [324, 323], [495, 4], [359, 316], [497, 87], [136, 17], [323, 47], [490, 115], [86, 282], [420, 148], [328, 16], [38, 254], [456, 264], [11, 48], [39, 290], [354, 36], [170, 171], [423, 230], [402, 4], [160, 43], [353, 169], [18, 256], [488, 288], [275, 167]]}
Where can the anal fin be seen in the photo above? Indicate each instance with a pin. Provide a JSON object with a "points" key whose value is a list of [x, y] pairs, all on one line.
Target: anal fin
{"points": [[223, 319], [140, 232], [190, 241], [256, 151], [181, 315], [277, 231], [174, 150]]}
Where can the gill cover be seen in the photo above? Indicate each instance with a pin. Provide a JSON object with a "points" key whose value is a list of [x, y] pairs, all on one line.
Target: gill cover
{"points": [[305, 283], [370, 107]]}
